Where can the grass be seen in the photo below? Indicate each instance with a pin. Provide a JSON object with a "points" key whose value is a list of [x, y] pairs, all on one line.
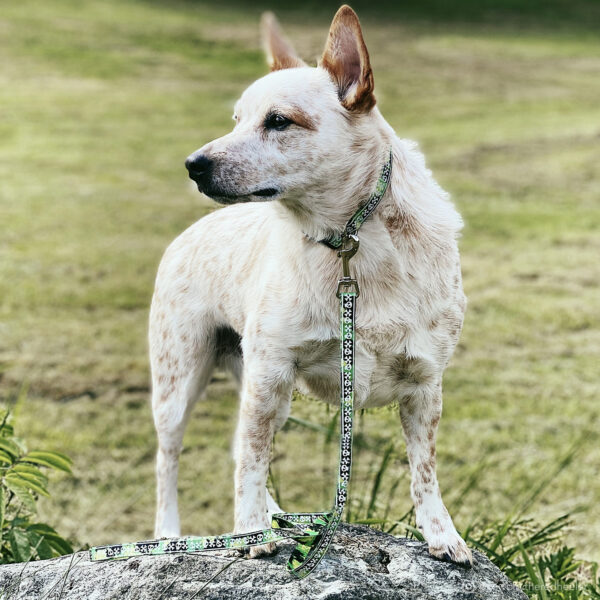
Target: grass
{"points": [[101, 102]]}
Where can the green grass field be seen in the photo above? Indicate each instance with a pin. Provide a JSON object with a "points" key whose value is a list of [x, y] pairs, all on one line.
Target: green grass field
{"points": [[100, 103]]}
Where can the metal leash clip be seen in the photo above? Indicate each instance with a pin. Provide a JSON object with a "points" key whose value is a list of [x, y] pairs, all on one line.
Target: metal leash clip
{"points": [[349, 248]]}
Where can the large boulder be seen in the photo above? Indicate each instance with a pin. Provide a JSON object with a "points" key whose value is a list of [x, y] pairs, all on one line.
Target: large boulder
{"points": [[361, 563]]}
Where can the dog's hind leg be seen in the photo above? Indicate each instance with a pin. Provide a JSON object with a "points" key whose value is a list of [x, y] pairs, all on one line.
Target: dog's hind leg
{"points": [[420, 413], [182, 361]]}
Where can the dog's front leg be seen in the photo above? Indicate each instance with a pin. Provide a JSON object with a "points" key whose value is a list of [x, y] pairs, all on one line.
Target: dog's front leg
{"points": [[265, 399], [420, 414]]}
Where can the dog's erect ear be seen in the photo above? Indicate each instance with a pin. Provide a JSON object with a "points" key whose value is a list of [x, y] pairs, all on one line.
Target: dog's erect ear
{"points": [[280, 54], [347, 60]]}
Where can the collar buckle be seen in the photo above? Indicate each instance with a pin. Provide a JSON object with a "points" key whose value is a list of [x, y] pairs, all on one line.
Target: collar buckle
{"points": [[346, 284]]}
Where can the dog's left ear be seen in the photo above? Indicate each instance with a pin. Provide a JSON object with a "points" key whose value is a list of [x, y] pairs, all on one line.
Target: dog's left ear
{"points": [[347, 60], [280, 53]]}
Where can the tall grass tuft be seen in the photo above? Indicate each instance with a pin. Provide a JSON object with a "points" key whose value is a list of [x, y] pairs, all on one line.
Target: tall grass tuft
{"points": [[22, 482], [532, 555]]}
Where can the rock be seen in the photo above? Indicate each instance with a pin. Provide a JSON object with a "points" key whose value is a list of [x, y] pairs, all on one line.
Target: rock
{"points": [[362, 563]]}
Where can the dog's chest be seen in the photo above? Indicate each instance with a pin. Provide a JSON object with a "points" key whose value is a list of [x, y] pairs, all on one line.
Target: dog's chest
{"points": [[381, 377], [394, 349]]}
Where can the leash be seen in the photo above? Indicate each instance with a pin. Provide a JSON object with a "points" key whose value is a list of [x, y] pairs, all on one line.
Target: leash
{"points": [[312, 532]]}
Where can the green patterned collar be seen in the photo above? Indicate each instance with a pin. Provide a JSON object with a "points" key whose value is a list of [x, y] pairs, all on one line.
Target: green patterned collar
{"points": [[366, 210]]}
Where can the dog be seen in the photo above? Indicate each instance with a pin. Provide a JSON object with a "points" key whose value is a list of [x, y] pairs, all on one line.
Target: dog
{"points": [[249, 287]]}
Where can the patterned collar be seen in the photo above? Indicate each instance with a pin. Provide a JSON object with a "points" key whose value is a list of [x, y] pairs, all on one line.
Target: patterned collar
{"points": [[365, 211]]}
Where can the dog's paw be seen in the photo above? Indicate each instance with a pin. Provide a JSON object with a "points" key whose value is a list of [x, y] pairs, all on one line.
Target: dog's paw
{"points": [[452, 549], [263, 550], [250, 552], [257, 521]]}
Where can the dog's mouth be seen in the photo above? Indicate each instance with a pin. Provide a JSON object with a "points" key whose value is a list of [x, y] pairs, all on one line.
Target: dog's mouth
{"points": [[228, 198], [266, 192]]}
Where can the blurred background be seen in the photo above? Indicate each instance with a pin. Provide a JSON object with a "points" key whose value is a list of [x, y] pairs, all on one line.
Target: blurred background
{"points": [[100, 103]]}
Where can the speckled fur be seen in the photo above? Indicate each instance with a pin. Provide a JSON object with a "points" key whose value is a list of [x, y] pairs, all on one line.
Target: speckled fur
{"points": [[251, 269]]}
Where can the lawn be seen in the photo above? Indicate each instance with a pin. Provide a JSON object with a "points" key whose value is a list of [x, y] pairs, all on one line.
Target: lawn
{"points": [[100, 104]]}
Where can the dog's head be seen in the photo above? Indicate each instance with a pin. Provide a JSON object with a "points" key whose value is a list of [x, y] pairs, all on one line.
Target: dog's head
{"points": [[301, 132]]}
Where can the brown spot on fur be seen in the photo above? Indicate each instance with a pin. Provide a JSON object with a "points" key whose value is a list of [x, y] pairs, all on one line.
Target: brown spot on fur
{"points": [[400, 222], [259, 444], [299, 117], [410, 370], [424, 470]]}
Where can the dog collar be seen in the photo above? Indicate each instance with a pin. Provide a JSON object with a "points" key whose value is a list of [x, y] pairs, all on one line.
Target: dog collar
{"points": [[365, 211]]}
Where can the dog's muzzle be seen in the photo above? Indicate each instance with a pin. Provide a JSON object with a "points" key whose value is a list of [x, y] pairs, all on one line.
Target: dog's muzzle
{"points": [[201, 170]]}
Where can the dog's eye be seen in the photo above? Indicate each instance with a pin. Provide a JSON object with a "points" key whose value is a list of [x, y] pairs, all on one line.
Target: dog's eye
{"points": [[277, 122]]}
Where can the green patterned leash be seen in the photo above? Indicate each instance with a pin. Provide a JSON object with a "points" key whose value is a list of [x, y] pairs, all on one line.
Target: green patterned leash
{"points": [[312, 532]]}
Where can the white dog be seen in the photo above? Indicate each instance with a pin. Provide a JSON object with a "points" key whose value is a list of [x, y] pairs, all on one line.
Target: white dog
{"points": [[250, 287]]}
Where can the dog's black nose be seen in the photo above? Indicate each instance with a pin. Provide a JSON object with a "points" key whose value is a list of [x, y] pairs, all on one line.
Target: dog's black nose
{"points": [[199, 166]]}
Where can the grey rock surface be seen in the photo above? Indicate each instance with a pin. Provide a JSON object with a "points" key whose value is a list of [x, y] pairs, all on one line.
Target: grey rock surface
{"points": [[362, 563]]}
